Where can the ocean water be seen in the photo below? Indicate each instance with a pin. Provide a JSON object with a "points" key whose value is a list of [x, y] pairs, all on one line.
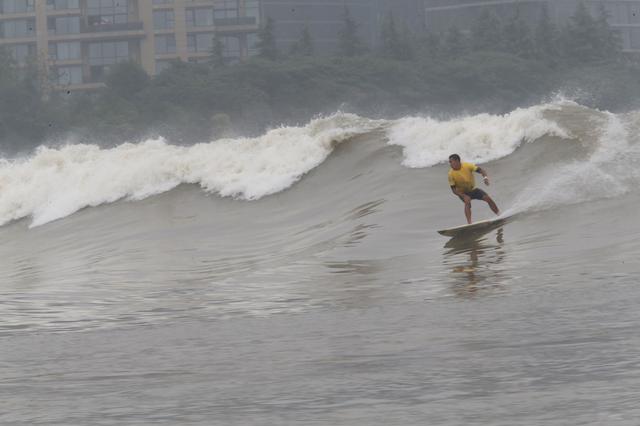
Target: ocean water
{"points": [[298, 278]]}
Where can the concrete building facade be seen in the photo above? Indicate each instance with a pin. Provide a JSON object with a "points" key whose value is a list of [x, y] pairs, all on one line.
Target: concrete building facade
{"points": [[78, 40], [623, 15], [325, 19]]}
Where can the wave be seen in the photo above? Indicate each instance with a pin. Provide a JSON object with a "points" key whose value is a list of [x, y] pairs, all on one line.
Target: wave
{"points": [[606, 170], [55, 183], [479, 139], [576, 157]]}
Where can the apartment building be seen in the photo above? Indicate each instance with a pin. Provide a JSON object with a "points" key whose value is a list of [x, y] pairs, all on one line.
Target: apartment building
{"points": [[325, 19], [623, 15], [78, 40]]}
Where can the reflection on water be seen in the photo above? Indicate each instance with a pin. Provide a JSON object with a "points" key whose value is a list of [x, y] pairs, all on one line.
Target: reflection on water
{"points": [[475, 264]]}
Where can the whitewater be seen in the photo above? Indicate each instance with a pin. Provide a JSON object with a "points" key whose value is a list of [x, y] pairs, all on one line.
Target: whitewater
{"points": [[56, 182], [297, 277]]}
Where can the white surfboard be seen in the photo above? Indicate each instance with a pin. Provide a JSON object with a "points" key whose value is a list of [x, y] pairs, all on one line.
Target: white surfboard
{"points": [[480, 226]]}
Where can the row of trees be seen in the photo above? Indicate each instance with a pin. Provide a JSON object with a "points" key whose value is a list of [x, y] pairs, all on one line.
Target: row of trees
{"points": [[497, 66], [583, 39]]}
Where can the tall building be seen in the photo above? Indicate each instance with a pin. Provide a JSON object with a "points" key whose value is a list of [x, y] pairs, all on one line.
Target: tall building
{"points": [[440, 15], [623, 15], [79, 40], [325, 19]]}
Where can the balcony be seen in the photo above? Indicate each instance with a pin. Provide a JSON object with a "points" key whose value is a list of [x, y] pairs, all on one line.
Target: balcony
{"points": [[108, 27], [234, 22]]}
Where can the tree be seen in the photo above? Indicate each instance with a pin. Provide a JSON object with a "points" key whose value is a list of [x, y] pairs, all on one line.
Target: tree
{"points": [[611, 44], [518, 39], [455, 43], [7, 67], [304, 46], [23, 113], [266, 44], [582, 42], [406, 49], [429, 46], [126, 79], [546, 39], [487, 33], [394, 44], [389, 37], [349, 42], [217, 53]]}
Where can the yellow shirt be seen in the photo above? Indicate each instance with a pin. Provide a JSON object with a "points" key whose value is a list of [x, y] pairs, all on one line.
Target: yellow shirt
{"points": [[463, 179]]}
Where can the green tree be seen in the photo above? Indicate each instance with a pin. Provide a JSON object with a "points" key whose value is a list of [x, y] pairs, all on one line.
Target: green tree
{"points": [[487, 33], [611, 43], [217, 53], [455, 43], [304, 46], [406, 49], [395, 44], [518, 38], [389, 37], [582, 37], [429, 46], [349, 44], [126, 79], [267, 48], [547, 39], [8, 74], [23, 113]]}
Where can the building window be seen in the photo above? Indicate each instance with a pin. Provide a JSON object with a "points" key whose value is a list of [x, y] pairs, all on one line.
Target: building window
{"points": [[64, 25], [633, 13], [108, 52], [105, 12], [252, 44], [63, 4], [202, 17], [64, 51], [202, 42], [16, 6], [104, 54], [163, 19], [20, 52], [252, 9], [231, 46], [165, 44], [18, 28], [226, 9], [67, 75], [635, 38]]}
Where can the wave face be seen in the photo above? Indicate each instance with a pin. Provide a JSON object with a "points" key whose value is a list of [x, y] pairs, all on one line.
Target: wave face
{"points": [[479, 139], [56, 182]]}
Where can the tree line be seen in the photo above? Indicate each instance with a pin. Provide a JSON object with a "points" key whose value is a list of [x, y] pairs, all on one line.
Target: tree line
{"points": [[495, 66]]}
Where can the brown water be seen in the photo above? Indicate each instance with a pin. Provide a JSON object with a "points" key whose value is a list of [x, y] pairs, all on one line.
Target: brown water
{"points": [[335, 301]]}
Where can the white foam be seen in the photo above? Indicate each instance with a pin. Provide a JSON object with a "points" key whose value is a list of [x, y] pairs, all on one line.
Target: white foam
{"points": [[55, 183], [479, 138], [606, 173]]}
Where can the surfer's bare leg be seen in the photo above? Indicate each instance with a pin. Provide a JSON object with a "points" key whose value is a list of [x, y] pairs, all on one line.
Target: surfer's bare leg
{"points": [[467, 210], [492, 204]]}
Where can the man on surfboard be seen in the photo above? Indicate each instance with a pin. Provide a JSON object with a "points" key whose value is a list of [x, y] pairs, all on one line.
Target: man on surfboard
{"points": [[463, 184]]}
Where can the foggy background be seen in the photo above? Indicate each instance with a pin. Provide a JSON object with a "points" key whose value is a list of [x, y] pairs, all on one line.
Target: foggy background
{"points": [[249, 65]]}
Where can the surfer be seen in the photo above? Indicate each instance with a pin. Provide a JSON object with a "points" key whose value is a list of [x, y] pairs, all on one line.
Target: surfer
{"points": [[463, 184]]}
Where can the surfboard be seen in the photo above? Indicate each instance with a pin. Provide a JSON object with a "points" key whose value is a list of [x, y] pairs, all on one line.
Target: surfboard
{"points": [[480, 226]]}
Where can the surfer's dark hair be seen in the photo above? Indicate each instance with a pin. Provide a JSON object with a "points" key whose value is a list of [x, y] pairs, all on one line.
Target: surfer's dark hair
{"points": [[454, 157]]}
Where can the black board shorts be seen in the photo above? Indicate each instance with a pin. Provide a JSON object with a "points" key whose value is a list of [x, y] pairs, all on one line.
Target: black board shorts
{"points": [[475, 194]]}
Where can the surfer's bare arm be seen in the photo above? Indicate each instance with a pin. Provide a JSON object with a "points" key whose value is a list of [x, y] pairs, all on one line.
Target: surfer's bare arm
{"points": [[483, 172]]}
